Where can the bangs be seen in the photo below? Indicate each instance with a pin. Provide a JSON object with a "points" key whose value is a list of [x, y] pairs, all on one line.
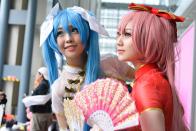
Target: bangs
{"points": [[69, 17], [124, 21]]}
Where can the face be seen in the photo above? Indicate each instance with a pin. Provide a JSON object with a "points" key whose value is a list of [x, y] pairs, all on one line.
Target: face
{"points": [[38, 79], [1, 96], [125, 50], [70, 44]]}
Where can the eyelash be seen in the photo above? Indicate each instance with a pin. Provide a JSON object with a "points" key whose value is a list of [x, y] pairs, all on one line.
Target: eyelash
{"points": [[126, 34], [74, 30], [118, 34], [61, 33]]}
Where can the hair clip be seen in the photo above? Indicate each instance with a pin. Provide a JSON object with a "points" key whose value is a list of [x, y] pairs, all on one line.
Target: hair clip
{"points": [[161, 13]]}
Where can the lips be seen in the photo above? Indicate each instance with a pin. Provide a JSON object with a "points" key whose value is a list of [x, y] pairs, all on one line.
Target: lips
{"points": [[70, 47], [120, 51]]}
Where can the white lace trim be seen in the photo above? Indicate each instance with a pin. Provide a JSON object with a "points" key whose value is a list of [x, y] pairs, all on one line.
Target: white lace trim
{"points": [[71, 69], [102, 120]]}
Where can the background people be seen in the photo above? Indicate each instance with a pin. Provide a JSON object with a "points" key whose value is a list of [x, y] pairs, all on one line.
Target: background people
{"points": [[41, 114]]}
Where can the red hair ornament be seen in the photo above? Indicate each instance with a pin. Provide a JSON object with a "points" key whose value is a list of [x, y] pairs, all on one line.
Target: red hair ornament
{"points": [[161, 13]]}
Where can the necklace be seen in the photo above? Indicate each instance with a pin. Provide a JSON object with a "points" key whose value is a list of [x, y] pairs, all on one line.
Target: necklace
{"points": [[73, 85]]}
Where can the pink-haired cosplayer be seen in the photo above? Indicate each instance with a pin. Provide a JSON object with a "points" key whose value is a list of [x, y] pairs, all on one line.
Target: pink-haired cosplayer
{"points": [[147, 38]]}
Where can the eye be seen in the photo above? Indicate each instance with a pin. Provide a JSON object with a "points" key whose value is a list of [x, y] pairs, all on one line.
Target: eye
{"points": [[127, 34], [118, 34], [60, 33], [74, 30]]}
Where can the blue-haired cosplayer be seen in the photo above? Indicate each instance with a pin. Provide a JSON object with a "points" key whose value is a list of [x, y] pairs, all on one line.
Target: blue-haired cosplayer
{"points": [[72, 34]]}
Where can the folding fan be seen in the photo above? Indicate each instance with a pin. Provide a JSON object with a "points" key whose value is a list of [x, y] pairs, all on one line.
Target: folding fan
{"points": [[108, 104]]}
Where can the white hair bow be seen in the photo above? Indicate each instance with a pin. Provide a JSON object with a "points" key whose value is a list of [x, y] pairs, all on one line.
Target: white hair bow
{"points": [[93, 23], [47, 25]]}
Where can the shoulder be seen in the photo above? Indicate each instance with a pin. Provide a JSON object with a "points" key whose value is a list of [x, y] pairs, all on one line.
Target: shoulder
{"points": [[58, 87], [150, 91], [44, 83], [153, 78]]}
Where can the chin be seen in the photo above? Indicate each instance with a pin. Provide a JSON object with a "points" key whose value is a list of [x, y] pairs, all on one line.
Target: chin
{"points": [[121, 58]]}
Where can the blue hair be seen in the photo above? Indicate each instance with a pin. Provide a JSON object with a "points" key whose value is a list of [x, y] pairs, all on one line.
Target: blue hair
{"points": [[89, 40]]}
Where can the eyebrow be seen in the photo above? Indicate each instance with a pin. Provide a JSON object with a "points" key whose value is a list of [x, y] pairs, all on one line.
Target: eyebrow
{"points": [[60, 28], [128, 29]]}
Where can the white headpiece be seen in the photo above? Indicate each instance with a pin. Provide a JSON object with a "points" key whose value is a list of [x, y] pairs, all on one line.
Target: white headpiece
{"points": [[44, 72], [93, 23], [47, 25]]}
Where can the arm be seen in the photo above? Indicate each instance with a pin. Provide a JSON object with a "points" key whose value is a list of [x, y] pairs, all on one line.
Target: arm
{"points": [[152, 120], [57, 104], [42, 89], [150, 104], [36, 100], [61, 121]]}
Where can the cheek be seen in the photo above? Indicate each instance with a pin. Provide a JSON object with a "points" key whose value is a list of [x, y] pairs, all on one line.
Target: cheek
{"points": [[60, 43], [128, 45], [77, 39], [80, 48], [129, 50]]}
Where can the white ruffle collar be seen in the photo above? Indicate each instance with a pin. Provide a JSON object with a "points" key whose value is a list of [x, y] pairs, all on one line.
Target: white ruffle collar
{"points": [[72, 69]]}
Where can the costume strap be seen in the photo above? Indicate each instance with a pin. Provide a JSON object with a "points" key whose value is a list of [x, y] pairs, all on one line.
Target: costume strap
{"points": [[161, 13]]}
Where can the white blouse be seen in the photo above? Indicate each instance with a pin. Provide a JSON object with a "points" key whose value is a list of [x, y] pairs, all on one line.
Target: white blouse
{"points": [[111, 67], [58, 87]]}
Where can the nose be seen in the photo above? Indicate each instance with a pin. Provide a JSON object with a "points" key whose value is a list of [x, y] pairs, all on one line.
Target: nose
{"points": [[119, 40], [68, 38]]}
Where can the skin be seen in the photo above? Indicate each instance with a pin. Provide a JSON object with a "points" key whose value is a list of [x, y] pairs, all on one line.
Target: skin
{"points": [[151, 120], [125, 48], [1, 95], [38, 78], [72, 48]]}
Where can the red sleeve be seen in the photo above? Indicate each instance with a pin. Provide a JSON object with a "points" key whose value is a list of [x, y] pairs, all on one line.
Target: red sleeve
{"points": [[147, 95]]}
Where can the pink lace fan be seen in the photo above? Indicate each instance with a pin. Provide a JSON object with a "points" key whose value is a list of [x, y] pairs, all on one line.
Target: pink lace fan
{"points": [[107, 103]]}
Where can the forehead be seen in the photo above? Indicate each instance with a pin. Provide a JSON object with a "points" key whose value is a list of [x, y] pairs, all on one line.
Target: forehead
{"points": [[129, 26], [61, 27]]}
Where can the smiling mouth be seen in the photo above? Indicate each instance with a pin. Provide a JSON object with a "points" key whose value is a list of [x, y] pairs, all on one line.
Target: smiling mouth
{"points": [[70, 46]]}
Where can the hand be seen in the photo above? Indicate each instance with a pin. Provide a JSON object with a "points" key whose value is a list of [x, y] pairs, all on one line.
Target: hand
{"points": [[95, 128]]}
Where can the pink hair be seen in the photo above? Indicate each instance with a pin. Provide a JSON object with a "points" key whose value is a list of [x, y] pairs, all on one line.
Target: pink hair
{"points": [[154, 38]]}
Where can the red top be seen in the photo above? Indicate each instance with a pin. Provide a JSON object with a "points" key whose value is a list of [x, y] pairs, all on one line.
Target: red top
{"points": [[152, 90]]}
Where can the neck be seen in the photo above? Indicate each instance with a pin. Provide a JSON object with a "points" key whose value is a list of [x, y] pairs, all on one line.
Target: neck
{"points": [[138, 65], [78, 62]]}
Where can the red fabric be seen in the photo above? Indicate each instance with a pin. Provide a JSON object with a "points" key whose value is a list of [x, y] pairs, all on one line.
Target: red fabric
{"points": [[158, 12], [8, 117], [152, 90]]}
